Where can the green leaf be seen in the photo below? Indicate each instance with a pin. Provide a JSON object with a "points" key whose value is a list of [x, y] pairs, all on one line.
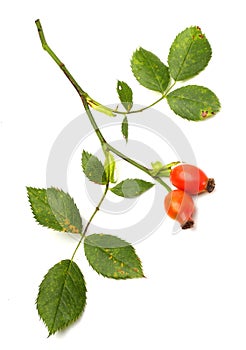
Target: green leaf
{"points": [[161, 170], [149, 70], [131, 188], [189, 54], [193, 102], [125, 94], [93, 168], [109, 166], [112, 257], [124, 128], [62, 296], [55, 209]]}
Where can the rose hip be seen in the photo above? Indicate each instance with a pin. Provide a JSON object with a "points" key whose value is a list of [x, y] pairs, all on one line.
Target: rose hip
{"points": [[180, 206], [191, 179]]}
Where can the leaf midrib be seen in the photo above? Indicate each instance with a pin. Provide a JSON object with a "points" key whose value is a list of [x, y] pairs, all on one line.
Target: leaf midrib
{"points": [[182, 64], [153, 70], [118, 260], [59, 302], [188, 99]]}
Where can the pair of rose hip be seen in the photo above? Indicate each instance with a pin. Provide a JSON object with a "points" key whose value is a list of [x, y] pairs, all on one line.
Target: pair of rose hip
{"points": [[189, 180]]}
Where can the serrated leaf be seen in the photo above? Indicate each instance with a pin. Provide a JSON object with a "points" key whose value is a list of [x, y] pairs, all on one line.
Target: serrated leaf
{"points": [[124, 128], [62, 296], [93, 168], [109, 166], [112, 257], [189, 54], [194, 102], [149, 70], [125, 95], [131, 188], [55, 209]]}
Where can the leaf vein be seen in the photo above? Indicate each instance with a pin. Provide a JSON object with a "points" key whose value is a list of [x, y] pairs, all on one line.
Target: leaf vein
{"points": [[60, 297], [153, 70], [117, 259], [185, 57]]}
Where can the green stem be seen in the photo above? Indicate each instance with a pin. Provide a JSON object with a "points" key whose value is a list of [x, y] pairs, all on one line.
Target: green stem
{"points": [[139, 166], [90, 220], [84, 97], [144, 108], [141, 109], [96, 209], [77, 87], [46, 47], [93, 122]]}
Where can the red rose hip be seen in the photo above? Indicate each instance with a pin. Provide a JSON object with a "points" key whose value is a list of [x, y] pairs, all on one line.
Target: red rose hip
{"points": [[191, 179], [180, 206]]}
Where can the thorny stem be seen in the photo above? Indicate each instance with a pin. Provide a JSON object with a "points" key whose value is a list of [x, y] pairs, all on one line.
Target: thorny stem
{"points": [[83, 95], [90, 220]]}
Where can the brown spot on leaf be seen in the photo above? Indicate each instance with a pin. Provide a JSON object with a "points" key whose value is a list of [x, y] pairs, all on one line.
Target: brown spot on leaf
{"points": [[73, 229], [204, 114], [207, 113]]}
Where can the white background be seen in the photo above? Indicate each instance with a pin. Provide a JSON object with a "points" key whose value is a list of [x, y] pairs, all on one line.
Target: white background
{"points": [[194, 293]]}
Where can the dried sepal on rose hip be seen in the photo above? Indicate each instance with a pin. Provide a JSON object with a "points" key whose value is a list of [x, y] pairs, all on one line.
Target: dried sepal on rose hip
{"points": [[191, 179], [180, 206]]}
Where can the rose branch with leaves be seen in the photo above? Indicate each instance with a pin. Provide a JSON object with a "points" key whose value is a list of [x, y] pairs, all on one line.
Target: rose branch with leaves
{"points": [[62, 293]]}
